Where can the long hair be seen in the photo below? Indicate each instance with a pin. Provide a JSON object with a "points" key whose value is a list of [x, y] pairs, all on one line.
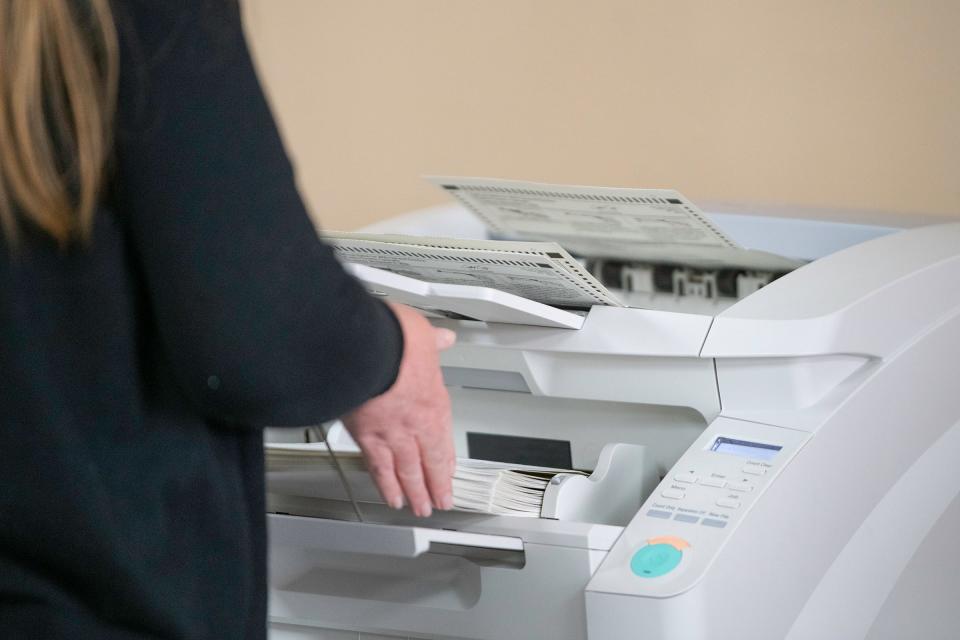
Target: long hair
{"points": [[58, 77]]}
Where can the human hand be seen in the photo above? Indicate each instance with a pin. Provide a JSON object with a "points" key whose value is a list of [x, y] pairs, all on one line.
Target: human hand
{"points": [[405, 433]]}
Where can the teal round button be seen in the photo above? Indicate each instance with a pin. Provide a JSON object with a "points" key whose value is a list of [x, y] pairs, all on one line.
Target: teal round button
{"points": [[655, 560]]}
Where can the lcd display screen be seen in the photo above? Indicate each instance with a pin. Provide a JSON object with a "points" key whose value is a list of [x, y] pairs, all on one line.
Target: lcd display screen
{"points": [[745, 449]]}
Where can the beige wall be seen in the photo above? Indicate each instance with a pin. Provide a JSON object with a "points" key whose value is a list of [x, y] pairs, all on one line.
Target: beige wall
{"points": [[816, 103]]}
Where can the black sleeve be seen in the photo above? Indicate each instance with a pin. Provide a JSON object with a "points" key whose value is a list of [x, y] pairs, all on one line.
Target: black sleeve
{"points": [[259, 322]]}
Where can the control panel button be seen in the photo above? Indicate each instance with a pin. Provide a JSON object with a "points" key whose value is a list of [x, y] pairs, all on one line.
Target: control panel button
{"points": [[743, 485], [657, 513], [673, 494], [712, 522], [655, 560], [728, 503], [755, 468], [683, 517], [714, 482], [687, 478]]}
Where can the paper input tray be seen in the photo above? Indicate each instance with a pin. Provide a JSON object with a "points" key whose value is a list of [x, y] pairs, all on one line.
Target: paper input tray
{"points": [[463, 301]]}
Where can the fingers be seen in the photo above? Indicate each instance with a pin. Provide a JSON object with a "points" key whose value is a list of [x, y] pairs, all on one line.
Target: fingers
{"points": [[381, 468], [437, 471], [421, 472], [437, 450], [410, 474]]}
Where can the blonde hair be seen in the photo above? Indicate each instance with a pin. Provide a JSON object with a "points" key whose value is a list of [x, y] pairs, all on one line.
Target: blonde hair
{"points": [[58, 76]]}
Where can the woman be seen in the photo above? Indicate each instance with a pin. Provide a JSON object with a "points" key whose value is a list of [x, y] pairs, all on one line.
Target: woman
{"points": [[163, 296]]}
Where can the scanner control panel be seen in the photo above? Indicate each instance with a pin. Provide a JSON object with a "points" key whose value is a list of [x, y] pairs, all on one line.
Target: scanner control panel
{"points": [[683, 524]]}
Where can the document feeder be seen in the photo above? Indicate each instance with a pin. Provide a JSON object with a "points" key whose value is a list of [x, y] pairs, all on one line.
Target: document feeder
{"points": [[736, 458]]}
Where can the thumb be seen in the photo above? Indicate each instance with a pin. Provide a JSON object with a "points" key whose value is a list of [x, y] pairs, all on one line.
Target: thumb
{"points": [[445, 338]]}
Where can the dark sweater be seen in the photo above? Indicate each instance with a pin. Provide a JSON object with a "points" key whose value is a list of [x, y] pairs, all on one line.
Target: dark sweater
{"points": [[136, 371]]}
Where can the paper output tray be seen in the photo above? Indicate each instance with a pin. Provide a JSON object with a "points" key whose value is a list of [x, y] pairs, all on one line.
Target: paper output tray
{"points": [[471, 302], [610, 495]]}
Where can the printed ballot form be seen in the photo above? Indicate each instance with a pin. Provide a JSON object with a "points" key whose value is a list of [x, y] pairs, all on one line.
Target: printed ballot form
{"points": [[584, 214], [539, 271], [652, 225]]}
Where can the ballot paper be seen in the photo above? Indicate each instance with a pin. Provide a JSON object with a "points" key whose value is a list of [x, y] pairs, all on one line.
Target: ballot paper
{"points": [[489, 487], [479, 486], [650, 225], [539, 271]]}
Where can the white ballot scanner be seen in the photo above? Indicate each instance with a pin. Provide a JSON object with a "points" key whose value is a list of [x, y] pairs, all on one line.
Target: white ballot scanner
{"points": [[780, 463]]}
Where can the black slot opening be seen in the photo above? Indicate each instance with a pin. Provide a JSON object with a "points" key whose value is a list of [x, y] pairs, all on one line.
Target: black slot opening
{"points": [[540, 452]]}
